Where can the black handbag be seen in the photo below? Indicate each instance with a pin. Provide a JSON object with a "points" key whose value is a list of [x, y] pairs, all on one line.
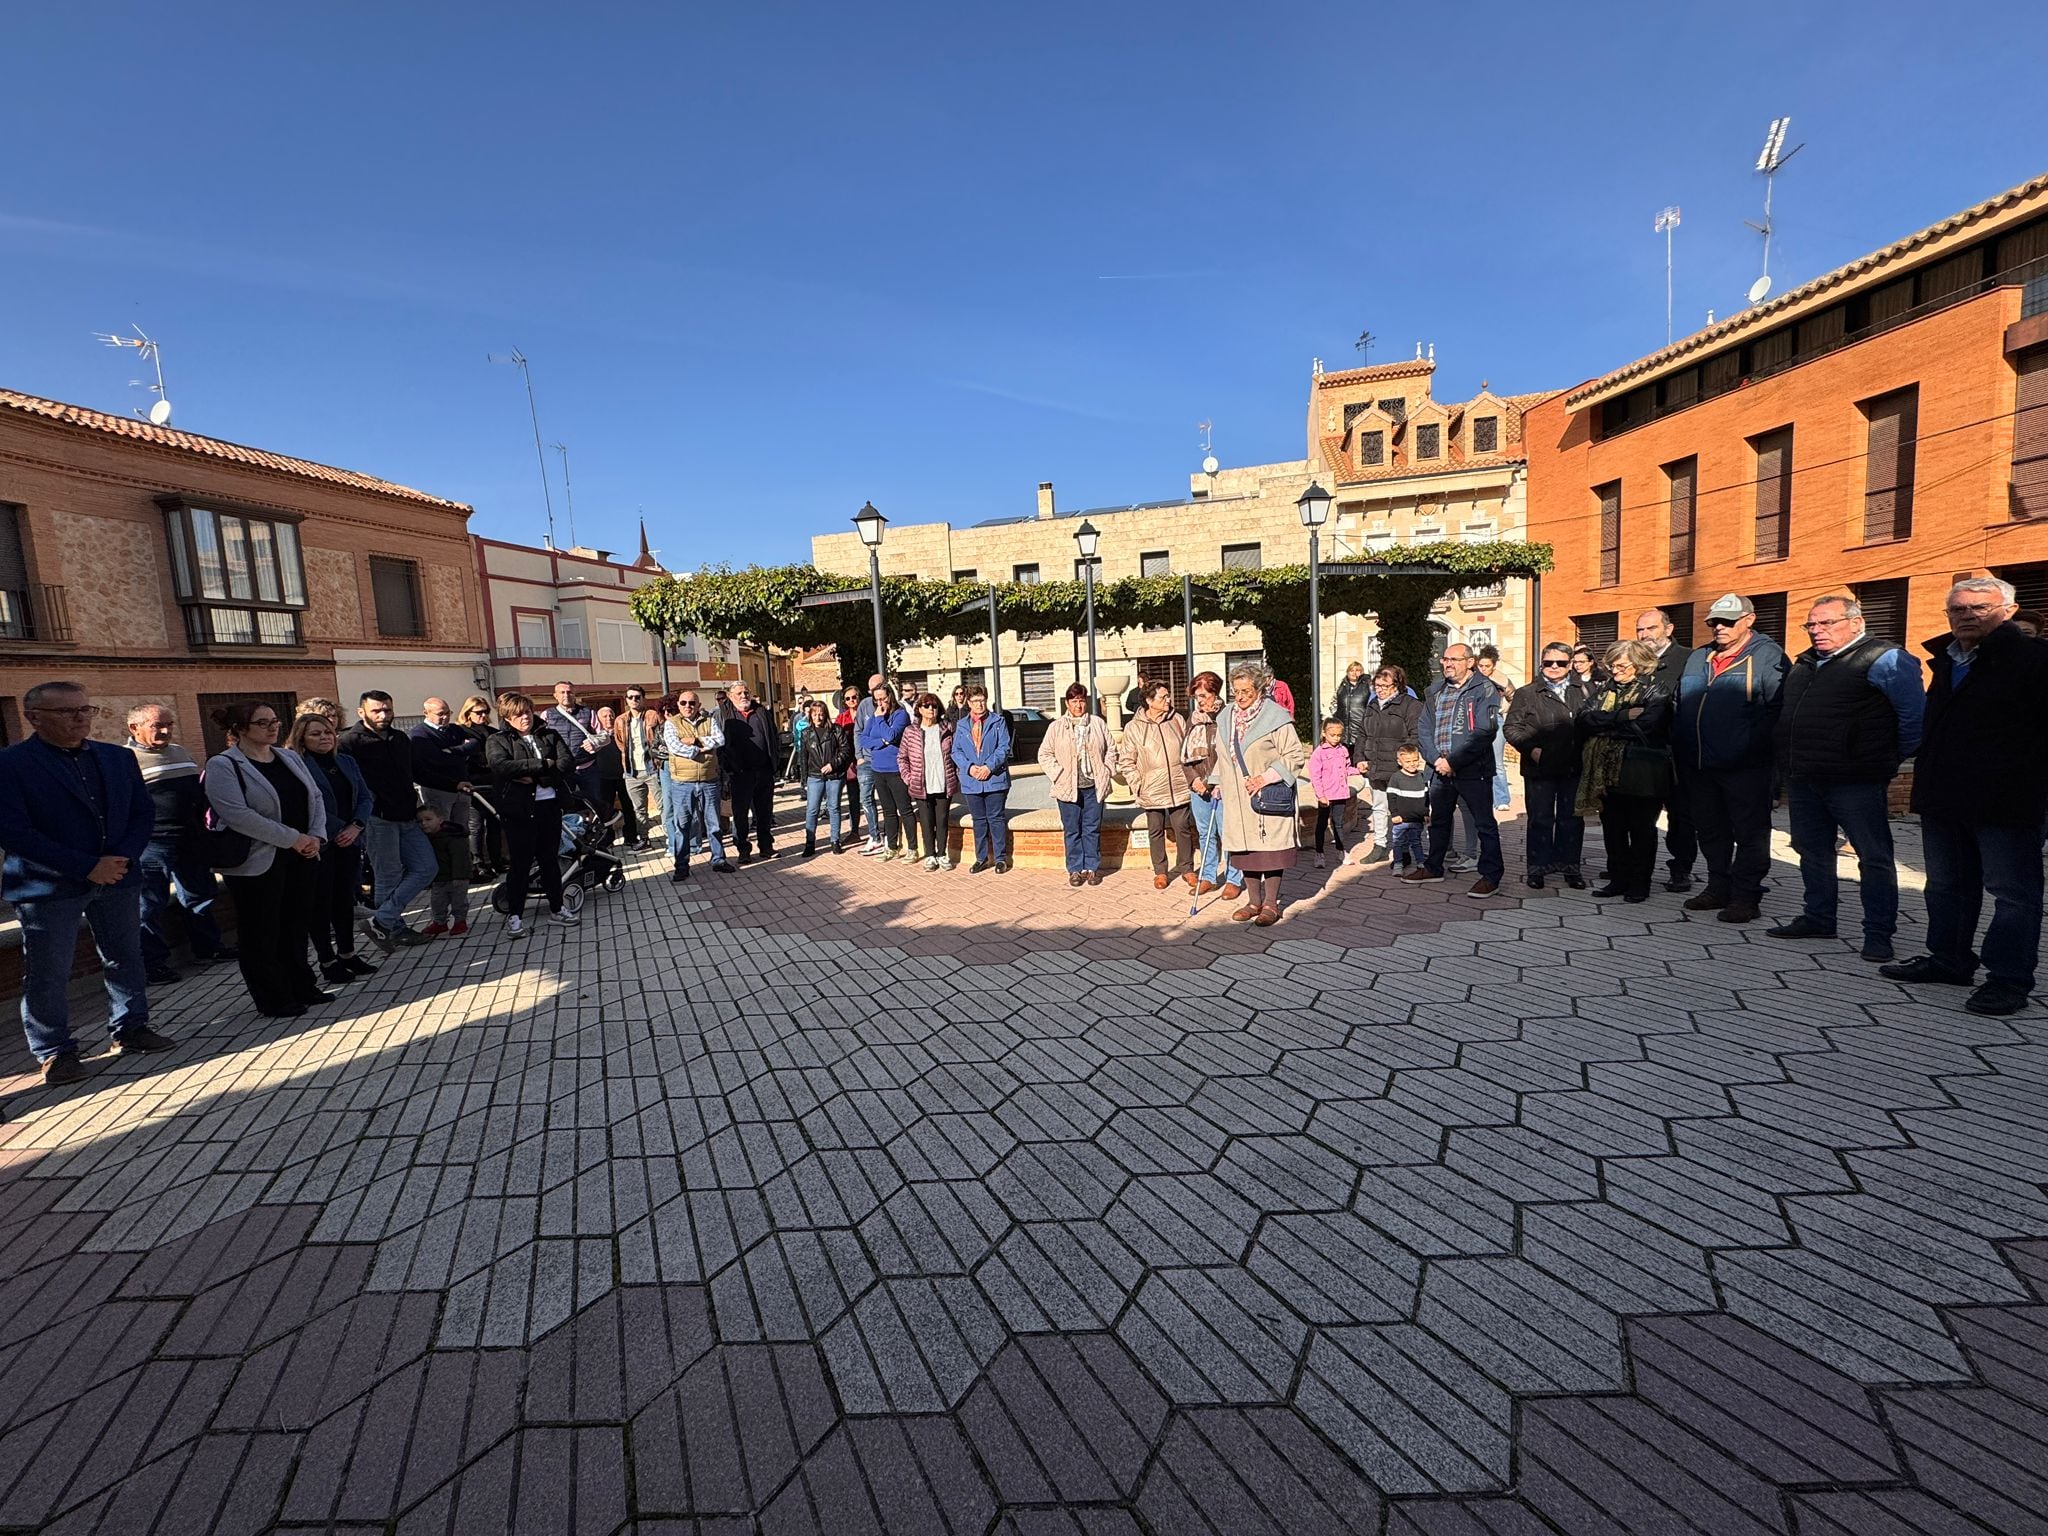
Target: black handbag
{"points": [[221, 845], [1267, 799]]}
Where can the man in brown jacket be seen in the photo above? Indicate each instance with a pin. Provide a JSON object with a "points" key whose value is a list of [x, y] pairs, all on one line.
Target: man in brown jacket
{"points": [[1148, 759]]}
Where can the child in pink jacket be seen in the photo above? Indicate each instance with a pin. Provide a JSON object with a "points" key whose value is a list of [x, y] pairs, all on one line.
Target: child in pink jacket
{"points": [[1329, 775]]}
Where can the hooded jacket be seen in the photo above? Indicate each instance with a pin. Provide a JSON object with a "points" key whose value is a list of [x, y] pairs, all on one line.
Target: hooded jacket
{"points": [[1728, 720]]}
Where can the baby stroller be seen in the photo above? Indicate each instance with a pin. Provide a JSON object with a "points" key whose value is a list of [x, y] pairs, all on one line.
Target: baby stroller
{"points": [[586, 862]]}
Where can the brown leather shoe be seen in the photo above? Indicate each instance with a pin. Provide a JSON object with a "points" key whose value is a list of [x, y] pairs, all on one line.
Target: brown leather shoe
{"points": [[1076, 879], [1204, 887], [1231, 892], [1159, 882], [1268, 916], [1245, 913], [1093, 877], [1192, 884]]}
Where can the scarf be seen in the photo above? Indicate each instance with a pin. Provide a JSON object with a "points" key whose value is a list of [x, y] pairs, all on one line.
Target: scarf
{"points": [[1600, 765]]}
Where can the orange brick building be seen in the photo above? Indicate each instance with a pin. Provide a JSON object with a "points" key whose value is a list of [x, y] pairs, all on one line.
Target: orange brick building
{"points": [[1879, 430], [154, 565]]}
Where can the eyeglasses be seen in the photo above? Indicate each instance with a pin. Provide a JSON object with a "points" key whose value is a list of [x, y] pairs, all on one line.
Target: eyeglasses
{"points": [[1822, 623], [73, 712], [270, 720]]}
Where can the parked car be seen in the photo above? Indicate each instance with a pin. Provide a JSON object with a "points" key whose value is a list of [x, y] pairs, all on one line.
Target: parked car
{"points": [[1027, 730]]}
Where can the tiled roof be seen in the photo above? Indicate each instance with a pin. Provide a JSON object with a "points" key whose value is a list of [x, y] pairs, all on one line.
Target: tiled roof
{"points": [[1863, 267], [215, 448], [1401, 370], [1338, 461]]}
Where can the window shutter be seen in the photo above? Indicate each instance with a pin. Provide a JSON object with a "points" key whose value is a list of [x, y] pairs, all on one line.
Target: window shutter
{"points": [[1610, 533], [1884, 609], [1241, 557], [2030, 436], [395, 589], [1684, 476], [1157, 563], [1770, 614], [1773, 494], [1597, 629], [1888, 497]]}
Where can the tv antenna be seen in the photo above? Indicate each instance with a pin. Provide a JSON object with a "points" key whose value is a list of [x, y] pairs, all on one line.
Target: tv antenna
{"points": [[518, 360], [1363, 346], [1209, 464], [1770, 162], [159, 412], [568, 492], [1667, 221]]}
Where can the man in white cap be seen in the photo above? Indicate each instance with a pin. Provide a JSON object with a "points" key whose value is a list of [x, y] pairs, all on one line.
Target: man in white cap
{"points": [[1728, 700]]}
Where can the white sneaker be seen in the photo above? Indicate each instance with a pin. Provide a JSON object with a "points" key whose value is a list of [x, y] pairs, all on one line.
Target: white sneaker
{"points": [[515, 927], [931, 863], [874, 850], [1319, 861], [565, 918]]}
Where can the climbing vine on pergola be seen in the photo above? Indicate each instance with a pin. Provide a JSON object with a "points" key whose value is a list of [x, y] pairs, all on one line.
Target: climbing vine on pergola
{"points": [[762, 605]]}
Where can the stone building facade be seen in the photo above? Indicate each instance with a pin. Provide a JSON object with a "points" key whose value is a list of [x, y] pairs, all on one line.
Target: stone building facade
{"points": [[160, 566], [1879, 431], [1243, 517]]}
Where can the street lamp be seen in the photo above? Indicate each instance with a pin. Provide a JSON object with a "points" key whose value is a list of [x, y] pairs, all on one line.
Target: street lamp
{"points": [[1086, 537], [870, 523], [1314, 507]]}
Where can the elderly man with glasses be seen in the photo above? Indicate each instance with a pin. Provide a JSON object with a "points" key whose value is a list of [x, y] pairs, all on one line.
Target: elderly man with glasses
{"points": [[75, 819], [693, 739]]}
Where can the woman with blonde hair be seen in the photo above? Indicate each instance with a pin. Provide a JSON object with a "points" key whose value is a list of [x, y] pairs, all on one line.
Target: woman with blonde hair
{"points": [[319, 706], [486, 836], [1259, 756], [1626, 771]]}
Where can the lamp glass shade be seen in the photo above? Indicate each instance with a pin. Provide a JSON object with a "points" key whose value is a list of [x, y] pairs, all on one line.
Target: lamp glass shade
{"points": [[870, 523], [1087, 536], [1314, 506]]}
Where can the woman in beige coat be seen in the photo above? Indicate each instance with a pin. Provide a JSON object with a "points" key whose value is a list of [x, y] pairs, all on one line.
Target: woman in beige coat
{"points": [[1149, 759], [1075, 757], [1257, 745]]}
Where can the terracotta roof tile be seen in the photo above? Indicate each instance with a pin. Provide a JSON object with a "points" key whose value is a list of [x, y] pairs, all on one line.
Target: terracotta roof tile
{"points": [[215, 448], [1337, 460], [1863, 266]]}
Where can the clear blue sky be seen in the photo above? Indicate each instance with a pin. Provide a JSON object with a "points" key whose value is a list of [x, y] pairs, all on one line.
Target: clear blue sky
{"points": [[771, 260]]}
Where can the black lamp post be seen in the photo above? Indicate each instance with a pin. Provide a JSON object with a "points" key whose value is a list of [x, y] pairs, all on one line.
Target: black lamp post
{"points": [[1086, 537], [870, 523], [1314, 507]]}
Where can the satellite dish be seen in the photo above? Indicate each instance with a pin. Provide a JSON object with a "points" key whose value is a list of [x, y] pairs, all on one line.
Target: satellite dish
{"points": [[1758, 289], [1209, 465], [159, 413]]}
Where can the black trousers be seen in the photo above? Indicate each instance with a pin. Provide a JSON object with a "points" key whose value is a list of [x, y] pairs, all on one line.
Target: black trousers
{"points": [[535, 835], [753, 810], [333, 922], [273, 918], [1731, 810], [1681, 840], [1629, 825], [1329, 820], [892, 800], [612, 792], [849, 800], [1175, 823], [931, 815]]}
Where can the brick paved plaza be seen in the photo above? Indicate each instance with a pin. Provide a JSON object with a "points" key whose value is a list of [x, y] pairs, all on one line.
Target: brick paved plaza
{"points": [[843, 1198]]}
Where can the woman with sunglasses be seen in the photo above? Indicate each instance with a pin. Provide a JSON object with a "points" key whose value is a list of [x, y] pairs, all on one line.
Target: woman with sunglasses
{"points": [[486, 835], [265, 792]]}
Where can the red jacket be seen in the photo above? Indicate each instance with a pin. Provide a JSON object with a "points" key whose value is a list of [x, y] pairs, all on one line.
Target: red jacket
{"points": [[910, 759]]}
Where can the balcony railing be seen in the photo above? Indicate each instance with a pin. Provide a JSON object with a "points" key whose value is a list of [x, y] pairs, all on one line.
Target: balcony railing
{"points": [[38, 612], [542, 653]]}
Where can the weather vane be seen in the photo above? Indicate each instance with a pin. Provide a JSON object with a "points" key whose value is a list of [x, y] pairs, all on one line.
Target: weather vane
{"points": [[1364, 345]]}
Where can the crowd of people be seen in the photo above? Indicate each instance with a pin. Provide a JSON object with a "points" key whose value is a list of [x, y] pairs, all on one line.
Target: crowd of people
{"points": [[322, 832]]}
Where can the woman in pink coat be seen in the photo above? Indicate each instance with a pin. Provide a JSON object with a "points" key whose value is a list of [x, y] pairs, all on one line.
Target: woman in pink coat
{"points": [[925, 759]]}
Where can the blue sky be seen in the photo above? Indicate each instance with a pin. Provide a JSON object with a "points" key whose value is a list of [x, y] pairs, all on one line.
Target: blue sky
{"points": [[771, 260]]}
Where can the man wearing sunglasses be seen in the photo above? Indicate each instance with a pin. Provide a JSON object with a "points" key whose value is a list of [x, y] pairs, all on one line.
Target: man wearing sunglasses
{"points": [[74, 819], [1728, 698]]}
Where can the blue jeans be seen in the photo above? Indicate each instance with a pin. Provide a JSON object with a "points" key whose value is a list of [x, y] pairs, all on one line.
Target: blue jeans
{"points": [[1404, 843], [1209, 841], [821, 792], [989, 811], [1475, 798], [1081, 821], [1859, 811], [1501, 794], [1965, 861], [164, 871], [49, 938], [668, 820], [402, 861], [865, 774], [695, 801]]}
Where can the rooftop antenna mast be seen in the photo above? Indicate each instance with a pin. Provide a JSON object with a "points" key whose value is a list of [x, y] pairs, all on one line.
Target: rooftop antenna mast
{"points": [[1770, 162], [1363, 346], [1667, 221], [159, 412], [518, 360], [568, 492], [1209, 463]]}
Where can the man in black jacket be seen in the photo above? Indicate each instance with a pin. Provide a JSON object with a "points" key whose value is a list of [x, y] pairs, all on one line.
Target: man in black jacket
{"points": [[445, 758], [1980, 786], [1681, 842], [401, 857], [753, 749], [1543, 727]]}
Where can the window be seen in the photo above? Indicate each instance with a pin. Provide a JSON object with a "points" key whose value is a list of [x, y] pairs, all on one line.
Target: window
{"points": [[1396, 408], [974, 677], [1682, 478], [2029, 583], [1894, 425], [1170, 670], [1770, 614], [1038, 687], [1026, 574], [1609, 496], [1680, 615], [1372, 448], [1155, 563], [620, 640], [17, 619], [572, 641], [1477, 533], [966, 576], [1081, 568], [239, 577], [1355, 410], [1486, 435], [1773, 453], [1596, 629], [1428, 440], [1884, 609], [1238, 659], [1241, 557], [2030, 435], [536, 635], [395, 585]]}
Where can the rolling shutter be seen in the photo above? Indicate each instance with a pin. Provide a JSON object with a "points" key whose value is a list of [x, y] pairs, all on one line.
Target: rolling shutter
{"points": [[1684, 477], [1773, 494], [1888, 466], [2030, 436]]}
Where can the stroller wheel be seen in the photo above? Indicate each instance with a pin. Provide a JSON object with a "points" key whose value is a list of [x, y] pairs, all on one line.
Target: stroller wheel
{"points": [[572, 897], [615, 881], [501, 901]]}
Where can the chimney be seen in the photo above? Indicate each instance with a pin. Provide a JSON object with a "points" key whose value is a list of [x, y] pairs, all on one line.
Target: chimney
{"points": [[1045, 508]]}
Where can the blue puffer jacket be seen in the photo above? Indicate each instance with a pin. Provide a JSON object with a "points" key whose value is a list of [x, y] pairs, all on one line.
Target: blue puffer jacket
{"points": [[1728, 721], [994, 755]]}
